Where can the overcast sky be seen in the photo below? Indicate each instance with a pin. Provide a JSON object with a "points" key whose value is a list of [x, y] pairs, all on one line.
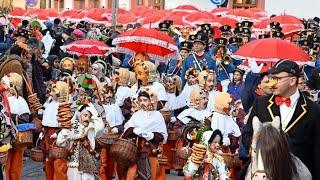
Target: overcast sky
{"points": [[300, 8]]}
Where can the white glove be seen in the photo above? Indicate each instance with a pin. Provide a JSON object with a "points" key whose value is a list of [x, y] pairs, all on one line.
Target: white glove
{"points": [[91, 125], [115, 130], [41, 136], [137, 131], [173, 119], [148, 136], [54, 136], [40, 111], [254, 66], [226, 141]]}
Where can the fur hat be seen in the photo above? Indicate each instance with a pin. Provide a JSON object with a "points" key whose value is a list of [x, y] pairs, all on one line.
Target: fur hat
{"points": [[123, 76], [149, 68], [222, 102], [66, 59], [14, 82], [195, 94], [147, 92], [203, 76], [102, 65]]}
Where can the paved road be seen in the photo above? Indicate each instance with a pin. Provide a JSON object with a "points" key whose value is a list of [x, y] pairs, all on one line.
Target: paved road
{"points": [[33, 171]]}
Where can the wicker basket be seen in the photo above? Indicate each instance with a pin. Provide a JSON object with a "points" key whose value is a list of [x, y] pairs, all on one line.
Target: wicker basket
{"points": [[183, 152], [172, 136], [166, 115], [107, 138], [3, 157], [23, 139], [37, 155], [56, 152], [123, 151]]}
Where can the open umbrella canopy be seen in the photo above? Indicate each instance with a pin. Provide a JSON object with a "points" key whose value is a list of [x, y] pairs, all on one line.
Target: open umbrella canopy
{"points": [[272, 49], [282, 19], [87, 47], [17, 12], [157, 45]]}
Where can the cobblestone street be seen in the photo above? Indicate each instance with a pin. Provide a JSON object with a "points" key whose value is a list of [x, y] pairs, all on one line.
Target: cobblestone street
{"points": [[34, 171]]}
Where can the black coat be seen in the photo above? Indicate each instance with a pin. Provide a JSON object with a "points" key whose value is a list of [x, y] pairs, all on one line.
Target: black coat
{"points": [[303, 129]]}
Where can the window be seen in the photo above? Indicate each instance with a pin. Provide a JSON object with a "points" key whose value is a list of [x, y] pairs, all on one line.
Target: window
{"points": [[61, 5], [157, 1], [245, 2], [43, 4], [78, 4], [139, 2]]}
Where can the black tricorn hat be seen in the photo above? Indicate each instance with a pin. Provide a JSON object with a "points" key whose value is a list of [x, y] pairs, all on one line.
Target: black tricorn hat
{"points": [[247, 24], [201, 37], [23, 32], [205, 26], [168, 21], [225, 29], [186, 45], [263, 36], [278, 35], [274, 25], [238, 30], [164, 26], [221, 41], [192, 38], [241, 71]]}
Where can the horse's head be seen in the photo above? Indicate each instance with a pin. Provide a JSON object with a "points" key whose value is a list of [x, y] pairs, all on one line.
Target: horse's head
{"points": [[257, 170]]}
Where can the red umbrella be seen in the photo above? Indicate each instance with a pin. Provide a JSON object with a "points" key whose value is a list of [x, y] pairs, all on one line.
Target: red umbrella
{"points": [[227, 21], [187, 7], [67, 13], [220, 11], [126, 19], [157, 45], [282, 19], [17, 12], [272, 49], [198, 16], [96, 16], [241, 13], [87, 47]]}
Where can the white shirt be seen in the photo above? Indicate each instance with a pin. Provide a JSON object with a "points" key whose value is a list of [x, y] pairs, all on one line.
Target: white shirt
{"points": [[185, 94], [157, 88], [123, 93], [50, 114], [18, 105], [286, 112], [212, 99], [113, 114]]}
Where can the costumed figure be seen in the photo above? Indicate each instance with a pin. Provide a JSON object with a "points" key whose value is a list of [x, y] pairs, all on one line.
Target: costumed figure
{"points": [[98, 69], [146, 75], [205, 161], [82, 65], [236, 86], [192, 82], [54, 168], [207, 81], [112, 116], [148, 128], [83, 162], [120, 79], [20, 115]]}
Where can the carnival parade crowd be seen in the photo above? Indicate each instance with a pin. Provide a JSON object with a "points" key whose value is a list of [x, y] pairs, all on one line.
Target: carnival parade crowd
{"points": [[91, 111]]}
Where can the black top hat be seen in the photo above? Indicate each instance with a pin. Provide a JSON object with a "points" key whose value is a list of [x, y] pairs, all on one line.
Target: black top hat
{"points": [[186, 45], [205, 26], [235, 40], [201, 37], [168, 21], [23, 32], [239, 70], [247, 24], [286, 66], [278, 35], [192, 38], [246, 32], [164, 26], [312, 25], [221, 41], [238, 30], [225, 29], [239, 24], [263, 36], [274, 25]]}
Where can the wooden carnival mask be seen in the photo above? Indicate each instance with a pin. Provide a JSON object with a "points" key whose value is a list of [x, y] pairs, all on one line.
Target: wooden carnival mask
{"points": [[82, 65], [141, 73], [67, 64]]}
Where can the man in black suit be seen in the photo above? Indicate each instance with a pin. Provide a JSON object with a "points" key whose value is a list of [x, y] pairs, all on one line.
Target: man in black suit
{"points": [[300, 117]]}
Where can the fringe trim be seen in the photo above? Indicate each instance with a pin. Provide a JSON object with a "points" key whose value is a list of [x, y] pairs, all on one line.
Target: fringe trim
{"points": [[146, 40], [173, 55]]}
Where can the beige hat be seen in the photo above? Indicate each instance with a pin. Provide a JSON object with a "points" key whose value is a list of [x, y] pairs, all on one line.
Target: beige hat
{"points": [[222, 102], [195, 95], [123, 76]]}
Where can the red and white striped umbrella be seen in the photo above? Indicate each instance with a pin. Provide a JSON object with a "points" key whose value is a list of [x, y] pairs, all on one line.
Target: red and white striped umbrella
{"points": [[87, 47], [157, 45]]}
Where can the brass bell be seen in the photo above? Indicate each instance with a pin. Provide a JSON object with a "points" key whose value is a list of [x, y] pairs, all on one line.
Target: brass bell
{"points": [[147, 143], [91, 151], [155, 151]]}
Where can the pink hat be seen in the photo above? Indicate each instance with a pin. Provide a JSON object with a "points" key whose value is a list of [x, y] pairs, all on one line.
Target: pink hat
{"points": [[78, 33]]}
